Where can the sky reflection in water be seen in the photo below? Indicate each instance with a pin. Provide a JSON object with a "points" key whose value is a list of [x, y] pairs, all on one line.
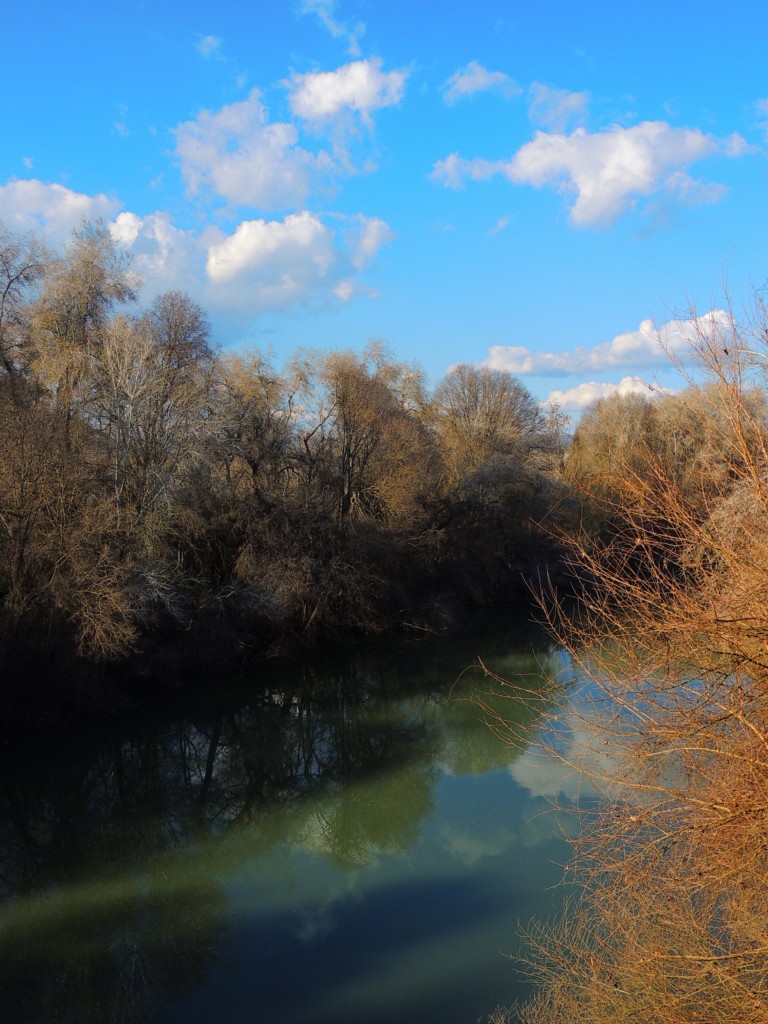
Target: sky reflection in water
{"points": [[348, 842]]}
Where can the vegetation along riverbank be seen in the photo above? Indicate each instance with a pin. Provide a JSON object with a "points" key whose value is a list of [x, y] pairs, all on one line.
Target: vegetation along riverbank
{"points": [[672, 731], [166, 508]]}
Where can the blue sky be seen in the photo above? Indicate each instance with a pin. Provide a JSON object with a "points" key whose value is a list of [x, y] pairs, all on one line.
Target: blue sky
{"points": [[536, 187]]}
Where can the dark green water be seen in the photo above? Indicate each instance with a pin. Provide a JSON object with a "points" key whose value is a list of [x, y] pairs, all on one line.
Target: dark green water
{"points": [[330, 844]]}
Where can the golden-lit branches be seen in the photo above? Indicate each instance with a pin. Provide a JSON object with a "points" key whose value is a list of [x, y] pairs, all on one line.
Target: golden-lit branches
{"points": [[671, 635]]}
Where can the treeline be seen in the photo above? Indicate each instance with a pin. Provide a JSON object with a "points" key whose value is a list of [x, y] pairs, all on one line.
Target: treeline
{"points": [[157, 494]]}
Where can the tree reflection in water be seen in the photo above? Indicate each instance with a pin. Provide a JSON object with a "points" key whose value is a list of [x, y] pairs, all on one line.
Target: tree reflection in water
{"points": [[115, 853]]}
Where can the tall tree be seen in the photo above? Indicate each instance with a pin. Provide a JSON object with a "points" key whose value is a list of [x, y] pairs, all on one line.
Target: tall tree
{"points": [[22, 262], [483, 416], [366, 437], [79, 292], [150, 392]]}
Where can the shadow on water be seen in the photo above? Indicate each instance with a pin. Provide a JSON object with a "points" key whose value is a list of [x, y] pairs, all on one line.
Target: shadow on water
{"points": [[308, 843]]}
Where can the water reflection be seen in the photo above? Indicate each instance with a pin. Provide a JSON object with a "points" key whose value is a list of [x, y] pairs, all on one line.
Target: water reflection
{"points": [[325, 821]]}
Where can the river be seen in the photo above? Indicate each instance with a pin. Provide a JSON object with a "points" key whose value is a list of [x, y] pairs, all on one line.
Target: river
{"points": [[324, 843]]}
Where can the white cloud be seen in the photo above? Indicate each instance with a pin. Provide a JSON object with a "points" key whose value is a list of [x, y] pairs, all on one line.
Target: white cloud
{"points": [[605, 172], [737, 145], [556, 109], [125, 228], [244, 158], [372, 234], [209, 46], [692, 191], [326, 12], [582, 395], [163, 256], [51, 211], [454, 170], [633, 348], [562, 764], [648, 346], [259, 243], [345, 289], [474, 78], [360, 87], [275, 264]]}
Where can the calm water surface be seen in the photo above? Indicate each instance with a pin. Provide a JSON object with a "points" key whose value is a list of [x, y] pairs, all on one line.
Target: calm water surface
{"points": [[324, 844]]}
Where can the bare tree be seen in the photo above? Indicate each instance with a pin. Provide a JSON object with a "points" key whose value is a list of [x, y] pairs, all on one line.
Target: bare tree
{"points": [[673, 858], [365, 435], [78, 294], [484, 415], [22, 262]]}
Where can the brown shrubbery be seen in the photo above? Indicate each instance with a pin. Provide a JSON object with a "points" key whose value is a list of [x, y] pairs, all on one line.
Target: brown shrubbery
{"points": [[672, 640]]}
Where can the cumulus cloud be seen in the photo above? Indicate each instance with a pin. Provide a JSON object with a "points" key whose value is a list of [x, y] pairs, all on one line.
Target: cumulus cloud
{"points": [[607, 170], [263, 265], [566, 773], [648, 346], [556, 109], [582, 395], [603, 173], [240, 155], [52, 211], [474, 78], [360, 87], [276, 264], [163, 256], [325, 10]]}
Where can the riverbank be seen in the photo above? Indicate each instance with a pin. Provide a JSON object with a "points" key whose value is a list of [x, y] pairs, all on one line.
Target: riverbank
{"points": [[47, 690]]}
